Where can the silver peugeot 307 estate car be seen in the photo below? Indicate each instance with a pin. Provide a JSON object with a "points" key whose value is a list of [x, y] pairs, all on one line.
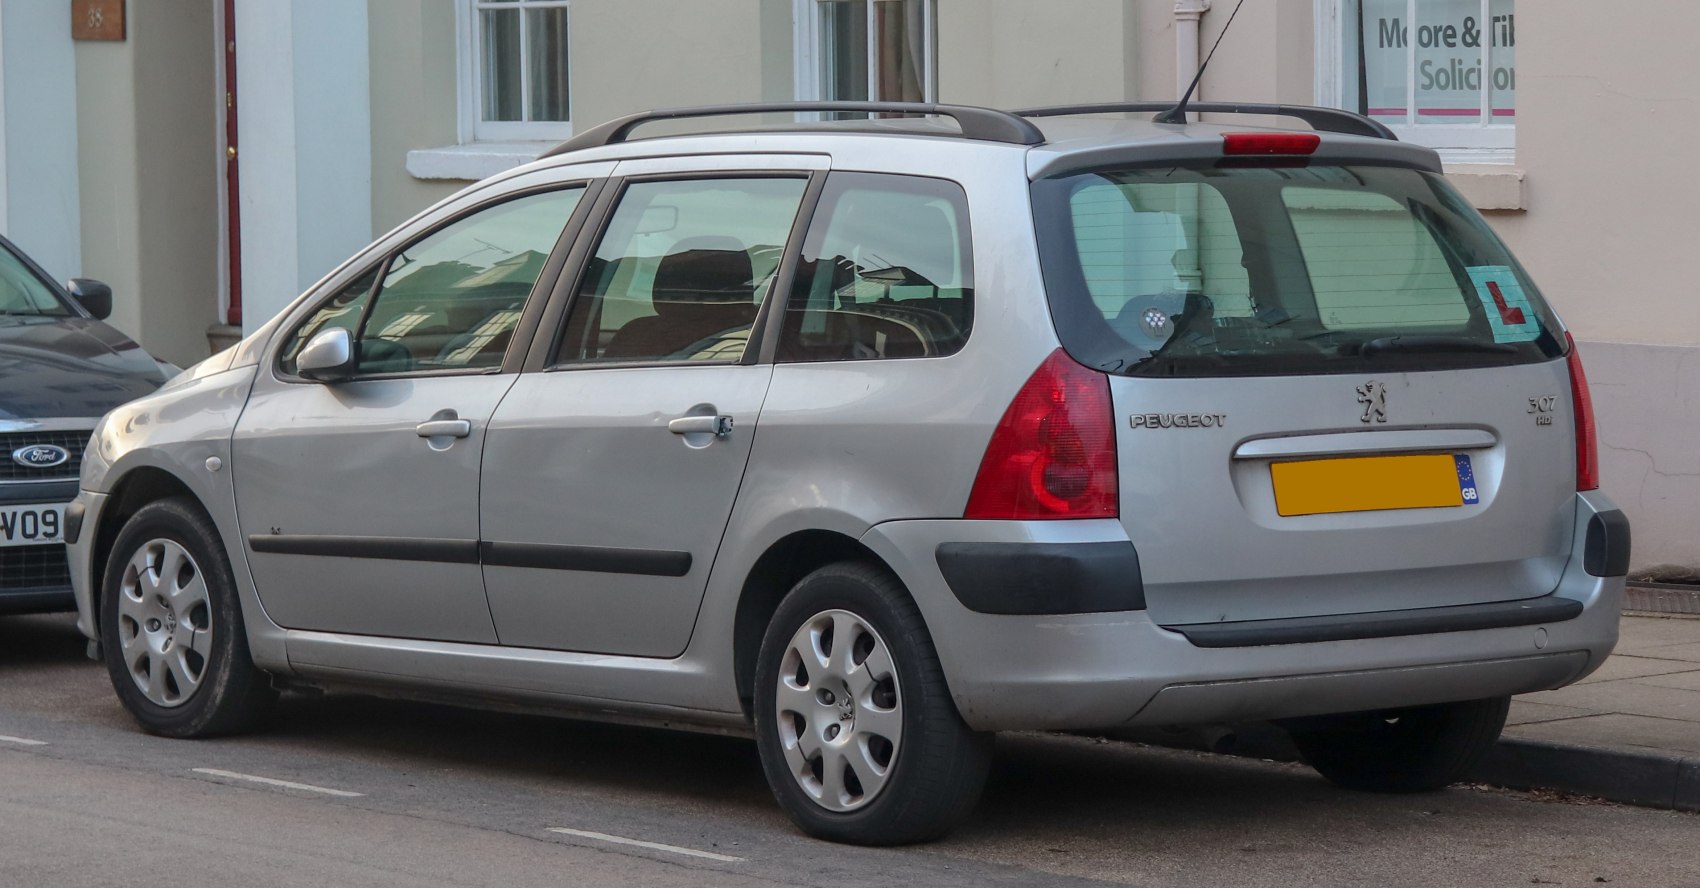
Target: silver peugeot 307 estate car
{"points": [[873, 438]]}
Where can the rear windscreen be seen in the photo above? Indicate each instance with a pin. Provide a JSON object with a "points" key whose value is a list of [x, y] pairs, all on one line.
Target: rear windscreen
{"points": [[1249, 271]]}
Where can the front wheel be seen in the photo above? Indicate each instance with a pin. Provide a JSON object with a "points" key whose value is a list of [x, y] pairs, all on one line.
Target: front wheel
{"points": [[1419, 749], [171, 627], [858, 735]]}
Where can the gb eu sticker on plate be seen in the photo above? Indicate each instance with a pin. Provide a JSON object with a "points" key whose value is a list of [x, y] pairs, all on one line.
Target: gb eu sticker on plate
{"points": [[1467, 480]]}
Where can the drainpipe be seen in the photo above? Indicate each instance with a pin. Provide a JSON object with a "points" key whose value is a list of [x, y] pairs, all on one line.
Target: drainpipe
{"points": [[1187, 14], [1189, 264]]}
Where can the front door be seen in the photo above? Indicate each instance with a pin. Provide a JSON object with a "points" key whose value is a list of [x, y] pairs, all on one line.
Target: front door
{"points": [[359, 499], [609, 476]]}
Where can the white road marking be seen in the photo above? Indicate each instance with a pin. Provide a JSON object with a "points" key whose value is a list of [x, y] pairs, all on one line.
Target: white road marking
{"points": [[286, 784], [21, 741], [653, 846]]}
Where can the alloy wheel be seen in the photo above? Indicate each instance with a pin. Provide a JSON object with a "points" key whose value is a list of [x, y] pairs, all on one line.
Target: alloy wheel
{"points": [[840, 710], [164, 622]]}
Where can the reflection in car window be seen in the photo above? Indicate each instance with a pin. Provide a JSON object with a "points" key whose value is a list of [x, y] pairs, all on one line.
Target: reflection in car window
{"points": [[22, 293], [886, 272], [341, 312], [452, 300], [681, 271]]}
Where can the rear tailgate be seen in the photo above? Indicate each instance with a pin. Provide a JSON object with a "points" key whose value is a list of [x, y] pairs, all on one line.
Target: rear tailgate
{"points": [[1336, 391]]}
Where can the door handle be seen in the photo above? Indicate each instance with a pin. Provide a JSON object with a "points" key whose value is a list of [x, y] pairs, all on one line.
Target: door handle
{"points": [[719, 426], [444, 426]]}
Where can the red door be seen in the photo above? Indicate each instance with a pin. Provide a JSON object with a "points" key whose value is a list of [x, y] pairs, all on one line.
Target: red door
{"points": [[233, 238]]}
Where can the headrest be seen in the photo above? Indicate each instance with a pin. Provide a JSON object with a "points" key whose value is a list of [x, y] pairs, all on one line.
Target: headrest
{"points": [[704, 269]]}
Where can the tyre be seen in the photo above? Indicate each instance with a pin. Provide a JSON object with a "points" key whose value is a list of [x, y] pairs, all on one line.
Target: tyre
{"points": [[171, 627], [858, 735], [1419, 749]]}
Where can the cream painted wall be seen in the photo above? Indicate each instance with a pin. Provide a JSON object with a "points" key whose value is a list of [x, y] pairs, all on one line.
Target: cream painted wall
{"points": [[148, 161], [1266, 57], [178, 170], [1605, 124], [107, 176], [1012, 54], [1603, 145], [412, 46], [630, 55]]}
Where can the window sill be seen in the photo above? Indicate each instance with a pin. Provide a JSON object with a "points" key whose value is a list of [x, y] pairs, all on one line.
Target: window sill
{"points": [[1494, 187], [474, 160]]}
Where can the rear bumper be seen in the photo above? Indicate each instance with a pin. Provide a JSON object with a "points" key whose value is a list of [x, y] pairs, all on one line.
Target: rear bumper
{"points": [[1101, 670]]}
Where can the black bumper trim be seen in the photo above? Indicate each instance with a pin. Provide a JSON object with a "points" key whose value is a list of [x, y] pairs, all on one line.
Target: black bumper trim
{"points": [[74, 515], [1386, 624], [1043, 578], [38, 493], [1606, 551], [47, 600]]}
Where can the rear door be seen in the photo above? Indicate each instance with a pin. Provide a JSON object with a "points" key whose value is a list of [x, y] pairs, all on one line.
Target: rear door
{"points": [[611, 471], [1337, 393]]}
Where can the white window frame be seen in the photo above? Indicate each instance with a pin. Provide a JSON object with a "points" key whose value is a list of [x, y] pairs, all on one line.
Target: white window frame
{"points": [[806, 37], [1485, 142], [472, 126]]}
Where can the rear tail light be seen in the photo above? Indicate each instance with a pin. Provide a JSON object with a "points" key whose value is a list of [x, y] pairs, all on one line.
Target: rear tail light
{"points": [[1587, 438], [1259, 144], [1053, 455]]}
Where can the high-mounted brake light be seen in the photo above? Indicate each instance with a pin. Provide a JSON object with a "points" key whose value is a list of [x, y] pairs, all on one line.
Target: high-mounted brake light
{"points": [[1587, 436], [1259, 144], [1053, 455]]}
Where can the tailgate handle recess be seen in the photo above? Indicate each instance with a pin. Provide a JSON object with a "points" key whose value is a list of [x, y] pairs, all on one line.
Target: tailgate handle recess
{"points": [[1400, 441]]}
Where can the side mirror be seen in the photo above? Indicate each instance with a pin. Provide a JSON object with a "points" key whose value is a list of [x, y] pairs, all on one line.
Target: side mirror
{"points": [[327, 357], [92, 295]]}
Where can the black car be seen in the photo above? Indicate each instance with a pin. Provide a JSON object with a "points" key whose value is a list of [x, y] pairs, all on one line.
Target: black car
{"points": [[61, 369]]}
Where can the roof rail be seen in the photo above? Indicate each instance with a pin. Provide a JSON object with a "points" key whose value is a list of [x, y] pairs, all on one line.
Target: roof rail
{"points": [[985, 124], [1330, 120]]}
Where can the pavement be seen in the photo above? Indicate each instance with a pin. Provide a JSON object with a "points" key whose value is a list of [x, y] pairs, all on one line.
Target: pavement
{"points": [[1628, 733]]}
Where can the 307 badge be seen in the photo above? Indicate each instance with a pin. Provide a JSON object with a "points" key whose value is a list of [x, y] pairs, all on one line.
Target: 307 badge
{"points": [[1542, 408]]}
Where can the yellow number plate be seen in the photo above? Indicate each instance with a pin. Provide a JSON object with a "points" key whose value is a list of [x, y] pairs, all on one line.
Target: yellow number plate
{"points": [[1366, 484]]}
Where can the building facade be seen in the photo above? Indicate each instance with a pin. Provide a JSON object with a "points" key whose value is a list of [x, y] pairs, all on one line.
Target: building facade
{"points": [[224, 154]]}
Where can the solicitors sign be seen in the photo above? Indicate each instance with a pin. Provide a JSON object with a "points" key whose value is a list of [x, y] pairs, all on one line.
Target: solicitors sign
{"points": [[1449, 52]]}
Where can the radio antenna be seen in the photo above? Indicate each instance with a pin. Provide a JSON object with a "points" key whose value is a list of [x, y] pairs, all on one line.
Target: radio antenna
{"points": [[1177, 114]]}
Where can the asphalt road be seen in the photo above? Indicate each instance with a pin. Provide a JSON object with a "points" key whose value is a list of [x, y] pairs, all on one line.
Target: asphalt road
{"points": [[409, 794]]}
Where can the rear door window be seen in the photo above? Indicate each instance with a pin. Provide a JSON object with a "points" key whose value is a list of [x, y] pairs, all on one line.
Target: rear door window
{"points": [[681, 271], [1248, 271]]}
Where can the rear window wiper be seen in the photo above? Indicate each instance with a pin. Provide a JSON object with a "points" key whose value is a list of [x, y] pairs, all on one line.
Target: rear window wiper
{"points": [[1433, 345]]}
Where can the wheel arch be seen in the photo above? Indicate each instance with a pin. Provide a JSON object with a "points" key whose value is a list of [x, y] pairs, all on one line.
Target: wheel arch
{"points": [[785, 562], [137, 488]]}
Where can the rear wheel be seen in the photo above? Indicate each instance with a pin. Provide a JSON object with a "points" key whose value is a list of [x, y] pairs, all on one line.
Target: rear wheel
{"points": [[171, 627], [1402, 750], [858, 735]]}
